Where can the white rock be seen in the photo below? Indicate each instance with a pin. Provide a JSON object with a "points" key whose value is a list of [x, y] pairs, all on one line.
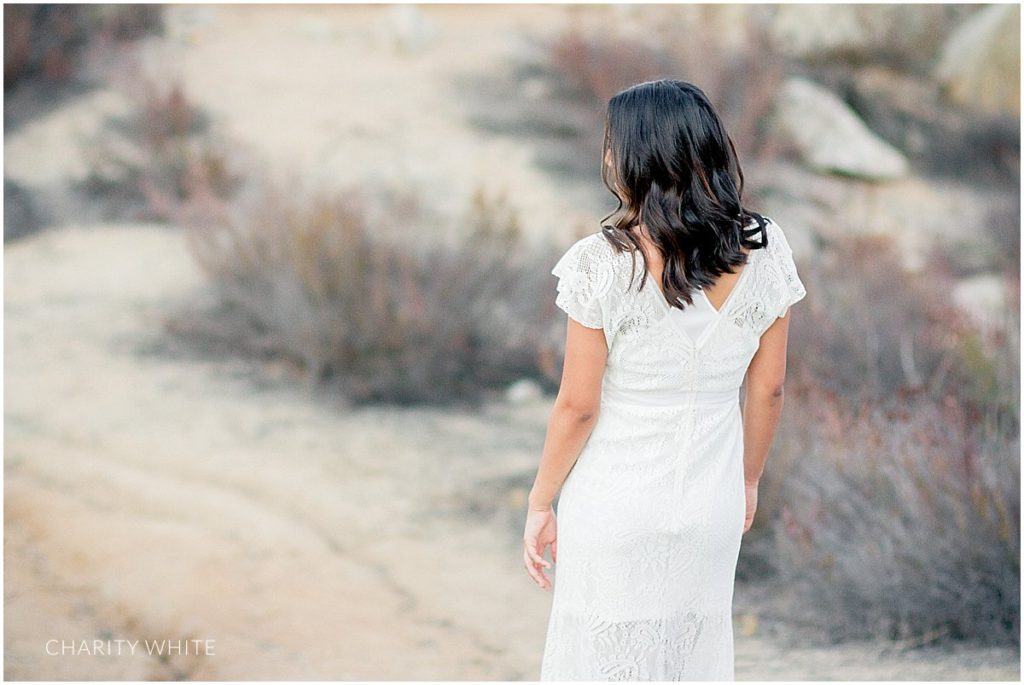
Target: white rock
{"points": [[858, 31], [830, 137], [535, 89], [523, 391], [410, 31], [980, 63], [984, 299]]}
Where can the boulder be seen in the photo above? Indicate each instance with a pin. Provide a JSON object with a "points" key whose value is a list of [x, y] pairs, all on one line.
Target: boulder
{"points": [[979, 66], [862, 32], [829, 136]]}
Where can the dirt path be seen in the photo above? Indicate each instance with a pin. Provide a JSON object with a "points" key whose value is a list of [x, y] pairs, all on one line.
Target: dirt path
{"points": [[368, 94], [151, 496]]}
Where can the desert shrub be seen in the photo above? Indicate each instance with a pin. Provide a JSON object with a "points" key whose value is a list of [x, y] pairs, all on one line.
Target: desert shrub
{"points": [[981, 149], [592, 67], [22, 214], [47, 41], [894, 508], [1003, 224], [378, 305], [902, 519], [871, 328], [741, 82], [140, 164], [586, 67], [146, 165]]}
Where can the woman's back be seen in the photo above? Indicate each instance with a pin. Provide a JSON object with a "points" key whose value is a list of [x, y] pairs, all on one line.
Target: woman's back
{"points": [[655, 347], [651, 515]]}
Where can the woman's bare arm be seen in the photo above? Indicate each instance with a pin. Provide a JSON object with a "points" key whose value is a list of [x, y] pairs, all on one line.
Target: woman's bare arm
{"points": [[575, 410], [762, 405]]}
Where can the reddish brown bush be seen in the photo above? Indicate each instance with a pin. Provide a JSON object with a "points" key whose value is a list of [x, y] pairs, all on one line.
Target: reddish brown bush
{"points": [[894, 504], [381, 308]]}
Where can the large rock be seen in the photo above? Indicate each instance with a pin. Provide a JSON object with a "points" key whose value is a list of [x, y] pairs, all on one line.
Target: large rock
{"points": [[916, 213], [830, 137], [861, 32], [980, 63]]}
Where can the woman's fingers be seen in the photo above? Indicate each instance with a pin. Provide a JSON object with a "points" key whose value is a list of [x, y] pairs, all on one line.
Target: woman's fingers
{"points": [[532, 568], [537, 559], [540, 532], [748, 522]]}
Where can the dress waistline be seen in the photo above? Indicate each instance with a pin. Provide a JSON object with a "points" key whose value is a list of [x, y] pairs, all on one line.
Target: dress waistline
{"points": [[668, 398]]}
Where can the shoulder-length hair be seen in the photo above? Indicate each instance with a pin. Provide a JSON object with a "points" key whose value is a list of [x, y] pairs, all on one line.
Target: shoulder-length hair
{"points": [[670, 163]]}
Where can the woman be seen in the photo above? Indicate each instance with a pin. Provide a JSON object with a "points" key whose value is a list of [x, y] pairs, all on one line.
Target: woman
{"points": [[657, 467]]}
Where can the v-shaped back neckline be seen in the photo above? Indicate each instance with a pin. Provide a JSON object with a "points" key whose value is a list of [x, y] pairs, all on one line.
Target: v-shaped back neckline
{"points": [[719, 313]]}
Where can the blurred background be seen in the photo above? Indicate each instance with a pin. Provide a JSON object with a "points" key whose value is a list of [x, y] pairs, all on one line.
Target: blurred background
{"points": [[281, 340]]}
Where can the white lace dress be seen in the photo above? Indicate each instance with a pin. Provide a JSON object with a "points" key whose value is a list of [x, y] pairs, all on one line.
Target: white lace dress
{"points": [[650, 517]]}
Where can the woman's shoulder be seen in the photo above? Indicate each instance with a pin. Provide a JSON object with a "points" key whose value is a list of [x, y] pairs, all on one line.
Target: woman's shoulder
{"points": [[773, 246], [595, 243], [787, 287], [588, 273], [778, 244], [592, 263], [594, 251]]}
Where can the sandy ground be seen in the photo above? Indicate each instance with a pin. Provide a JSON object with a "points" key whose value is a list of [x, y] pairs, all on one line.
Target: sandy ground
{"points": [[151, 495], [367, 94]]}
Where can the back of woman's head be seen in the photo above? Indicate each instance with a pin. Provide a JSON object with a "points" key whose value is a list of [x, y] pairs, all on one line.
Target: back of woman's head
{"points": [[673, 168]]}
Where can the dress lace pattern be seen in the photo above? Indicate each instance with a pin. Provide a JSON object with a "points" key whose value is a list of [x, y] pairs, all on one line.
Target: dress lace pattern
{"points": [[650, 517]]}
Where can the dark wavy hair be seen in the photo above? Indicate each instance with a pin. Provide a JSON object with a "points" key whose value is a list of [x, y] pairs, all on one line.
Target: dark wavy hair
{"points": [[668, 160]]}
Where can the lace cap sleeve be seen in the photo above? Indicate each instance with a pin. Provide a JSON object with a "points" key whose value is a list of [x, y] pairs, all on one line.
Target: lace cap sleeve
{"points": [[585, 276], [792, 287]]}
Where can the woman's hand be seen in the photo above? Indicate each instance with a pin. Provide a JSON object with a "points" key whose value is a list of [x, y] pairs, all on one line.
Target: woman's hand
{"points": [[751, 490], [541, 531]]}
